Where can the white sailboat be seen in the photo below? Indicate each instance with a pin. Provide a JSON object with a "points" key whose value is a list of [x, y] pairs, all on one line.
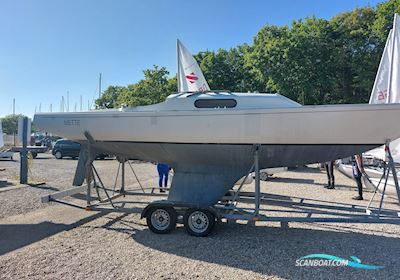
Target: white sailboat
{"points": [[209, 137]]}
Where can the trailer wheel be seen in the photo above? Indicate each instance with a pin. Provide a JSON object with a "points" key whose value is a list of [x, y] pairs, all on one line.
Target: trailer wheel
{"points": [[199, 222], [161, 219], [34, 155]]}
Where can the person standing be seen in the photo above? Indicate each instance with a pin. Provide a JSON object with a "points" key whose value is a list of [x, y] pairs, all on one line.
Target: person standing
{"points": [[329, 172], [163, 171], [358, 170]]}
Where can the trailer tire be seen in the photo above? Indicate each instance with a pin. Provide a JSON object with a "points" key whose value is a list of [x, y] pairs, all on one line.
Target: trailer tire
{"points": [[199, 222], [161, 219]]}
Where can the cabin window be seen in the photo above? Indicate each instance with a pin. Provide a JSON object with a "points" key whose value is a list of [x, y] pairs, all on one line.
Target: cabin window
{"points": [[215, 103]]}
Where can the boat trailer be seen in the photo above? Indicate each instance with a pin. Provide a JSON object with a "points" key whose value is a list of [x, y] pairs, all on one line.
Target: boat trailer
{"points": [[199, 220]]}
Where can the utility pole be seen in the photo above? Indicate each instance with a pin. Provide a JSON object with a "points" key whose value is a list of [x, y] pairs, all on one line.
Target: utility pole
{"points": [[81, 103], [23, 177], [100, 85], [14, 118]]}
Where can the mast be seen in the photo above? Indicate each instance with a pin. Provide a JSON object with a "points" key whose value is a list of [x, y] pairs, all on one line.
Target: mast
{"points": [[392, 58], [67, 101], [62, 104]]}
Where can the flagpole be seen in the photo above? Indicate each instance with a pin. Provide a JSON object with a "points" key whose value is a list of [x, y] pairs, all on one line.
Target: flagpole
{"points": [[392, 58]]}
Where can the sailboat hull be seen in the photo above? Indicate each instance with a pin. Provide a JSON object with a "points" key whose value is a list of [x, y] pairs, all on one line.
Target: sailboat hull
{"points": [[210, 150], [331, 124], [204, 172]]}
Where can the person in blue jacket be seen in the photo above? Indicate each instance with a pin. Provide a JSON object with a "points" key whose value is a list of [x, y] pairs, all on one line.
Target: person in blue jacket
{"points": [[163, 171]]}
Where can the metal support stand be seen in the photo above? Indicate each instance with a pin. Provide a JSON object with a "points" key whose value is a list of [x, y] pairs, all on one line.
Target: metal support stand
{"points": [[394, 173], [122, 190], [389, 167], [307, 210], [136, 177], [257, 181]]}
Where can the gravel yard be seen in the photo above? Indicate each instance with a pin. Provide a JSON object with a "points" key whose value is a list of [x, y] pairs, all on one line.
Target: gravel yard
{"points": [[52, 241]]}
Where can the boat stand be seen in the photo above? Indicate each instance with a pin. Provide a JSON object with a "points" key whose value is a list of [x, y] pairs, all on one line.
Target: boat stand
{"points": [[313, 209], [94, 181], [389, 167]]}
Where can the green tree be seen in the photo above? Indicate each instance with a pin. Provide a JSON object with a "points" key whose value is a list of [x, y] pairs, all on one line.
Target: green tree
{"points": [[384, 17], [10, 123], [295, 61], [357, 51], [154, 88], [109, 97], [227, 70]]}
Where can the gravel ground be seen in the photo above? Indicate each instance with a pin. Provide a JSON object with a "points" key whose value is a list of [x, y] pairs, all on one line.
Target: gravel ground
{"points": [[45, 241], [58, 175]]}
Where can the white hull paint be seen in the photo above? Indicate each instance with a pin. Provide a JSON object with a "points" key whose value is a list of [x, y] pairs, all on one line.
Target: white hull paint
{"points": [[333, 124]]}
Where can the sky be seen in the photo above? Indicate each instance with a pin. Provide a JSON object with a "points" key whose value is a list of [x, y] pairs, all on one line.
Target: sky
{"points": [[54, 48]]}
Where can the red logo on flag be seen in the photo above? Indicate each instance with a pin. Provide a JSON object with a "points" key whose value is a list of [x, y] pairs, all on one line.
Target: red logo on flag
{"points": [[192, 77]]}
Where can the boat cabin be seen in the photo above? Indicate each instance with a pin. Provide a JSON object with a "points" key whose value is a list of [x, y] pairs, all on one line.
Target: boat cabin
{"points": [[217, 101]]}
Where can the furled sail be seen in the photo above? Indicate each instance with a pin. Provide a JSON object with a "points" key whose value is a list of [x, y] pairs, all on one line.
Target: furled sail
{"points": [[190, 77], [386, 88]]}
